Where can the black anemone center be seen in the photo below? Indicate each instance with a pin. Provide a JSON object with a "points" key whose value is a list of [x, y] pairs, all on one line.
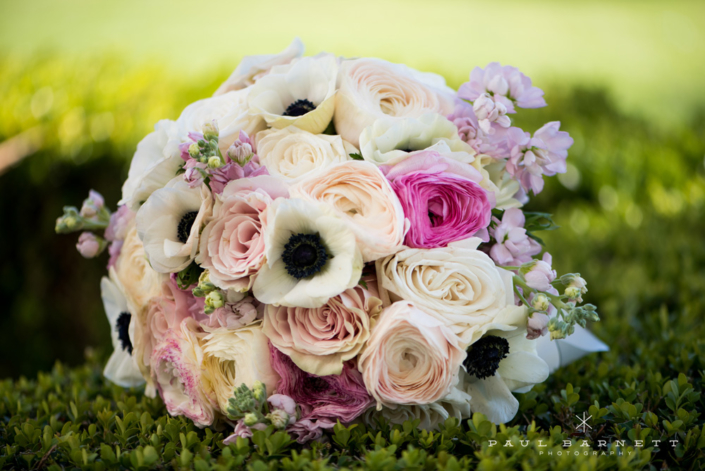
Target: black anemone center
{"points": [[484, 356], [185, 225], [122, 325], [299, 108], [304, 255]]}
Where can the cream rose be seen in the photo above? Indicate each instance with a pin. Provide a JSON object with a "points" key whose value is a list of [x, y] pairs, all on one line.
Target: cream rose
{"points": [[234, 357], [231, 244], [293, 154], [410, 358], [319, 340], [364, 199], [369, 89], [457, 285]]}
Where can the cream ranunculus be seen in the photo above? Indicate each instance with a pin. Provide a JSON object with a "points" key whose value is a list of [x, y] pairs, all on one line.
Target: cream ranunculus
{"points": [[155, 162], [364, 199], [253, 67], [388, 141], [311, 255], [410, 358], [300, 94], [293, 154], [458, 285], [369, 89], [231, 244], [499, 363], [234, 357], [170, 222], [320, 340], [229, 110]]}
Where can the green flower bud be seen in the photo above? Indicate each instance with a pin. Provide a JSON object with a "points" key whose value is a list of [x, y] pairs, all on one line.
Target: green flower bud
{"points": [[540, 302], [251, 419], [214, 300], [215, 162], [194, 151], [278, 418], [211, 131]]}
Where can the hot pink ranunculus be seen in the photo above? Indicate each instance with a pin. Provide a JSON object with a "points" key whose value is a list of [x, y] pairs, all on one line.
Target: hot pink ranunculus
{"points": [[232, 247], [323, 399], [441, 198]]}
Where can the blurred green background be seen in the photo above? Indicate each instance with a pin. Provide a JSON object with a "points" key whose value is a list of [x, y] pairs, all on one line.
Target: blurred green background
{"points": [[81, 82]]}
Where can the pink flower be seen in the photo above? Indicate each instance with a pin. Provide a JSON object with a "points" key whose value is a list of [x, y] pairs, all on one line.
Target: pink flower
{"points": [[241, 430], [88, 245], [537, 325], [533, 157], [176, 368], [336, 397], [120, 223], [321, 340], [505, 84], [231, 244], [234, 315], [441, 198], [488, 111], [308, 429], [541, 275], [492, 142], [514, 247], [92, 205]]}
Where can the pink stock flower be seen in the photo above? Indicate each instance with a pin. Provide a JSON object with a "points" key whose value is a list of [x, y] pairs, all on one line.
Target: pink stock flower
{"points": [[533, 157], [234, 315], [322, 399], [308, 429], [492, 142], [541, 275], [92, 205], [505, 84], [514, 247], [488, 111], [537, 325], [120, 223], [441, 199], [241, 430], [88, 245]]}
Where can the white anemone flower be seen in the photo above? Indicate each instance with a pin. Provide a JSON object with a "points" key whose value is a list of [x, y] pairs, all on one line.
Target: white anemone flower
{"points": [[121, 368], [490, 382], [389, 141], [155, 162], [169, 224], [252, 68], [301, 94], [311, 255]]}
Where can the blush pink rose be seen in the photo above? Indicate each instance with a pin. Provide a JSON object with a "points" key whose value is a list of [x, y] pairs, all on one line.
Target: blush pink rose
{"points": [[410, 358], [320, 340], [231, 245], [441, 198]]}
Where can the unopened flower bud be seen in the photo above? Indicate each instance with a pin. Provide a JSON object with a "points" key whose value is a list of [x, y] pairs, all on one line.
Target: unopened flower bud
{"points": [[92, 205], [215, 162], [540, 302], [573, 293], [89, 245], [259, 390], [240, 153], [250, 419], [194, 150], [214, 300], [210, 130], [279, 418]]}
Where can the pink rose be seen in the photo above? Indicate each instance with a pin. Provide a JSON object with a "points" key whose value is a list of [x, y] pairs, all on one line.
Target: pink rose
{"points": [[320, 340], [232, 247], [410, 358], [441, 198]]}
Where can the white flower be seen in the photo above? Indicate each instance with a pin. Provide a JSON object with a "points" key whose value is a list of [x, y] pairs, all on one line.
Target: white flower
{"points": [[169, 224], [501, 183], [155, 162], [388, 140], [301, 94], [517, 372], [253, 67], [363, 197], [458, 285], [294, 154], [121, 368], [311, 255], [234, 357], [369, 89], [229, 110]]}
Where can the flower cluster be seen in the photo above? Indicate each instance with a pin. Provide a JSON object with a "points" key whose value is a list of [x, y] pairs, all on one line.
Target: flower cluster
{"points": [[332, 239]]}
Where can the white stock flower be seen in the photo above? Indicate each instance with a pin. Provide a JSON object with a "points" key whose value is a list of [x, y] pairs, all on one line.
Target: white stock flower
{"points": [[234, 357], [253, 67], [388, 141], [311, 255], [369, 89], [362, 196], [155, 162], [169, 224], [293, 154], [518, 372], [121, 368], [300, 94], [458, 285]]}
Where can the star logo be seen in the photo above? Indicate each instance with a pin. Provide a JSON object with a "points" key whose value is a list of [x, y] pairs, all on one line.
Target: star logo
{"points": [[583, 423]]}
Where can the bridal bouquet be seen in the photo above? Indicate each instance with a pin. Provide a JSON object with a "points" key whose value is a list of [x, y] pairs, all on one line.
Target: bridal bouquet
{"points": [[330, 239]]}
